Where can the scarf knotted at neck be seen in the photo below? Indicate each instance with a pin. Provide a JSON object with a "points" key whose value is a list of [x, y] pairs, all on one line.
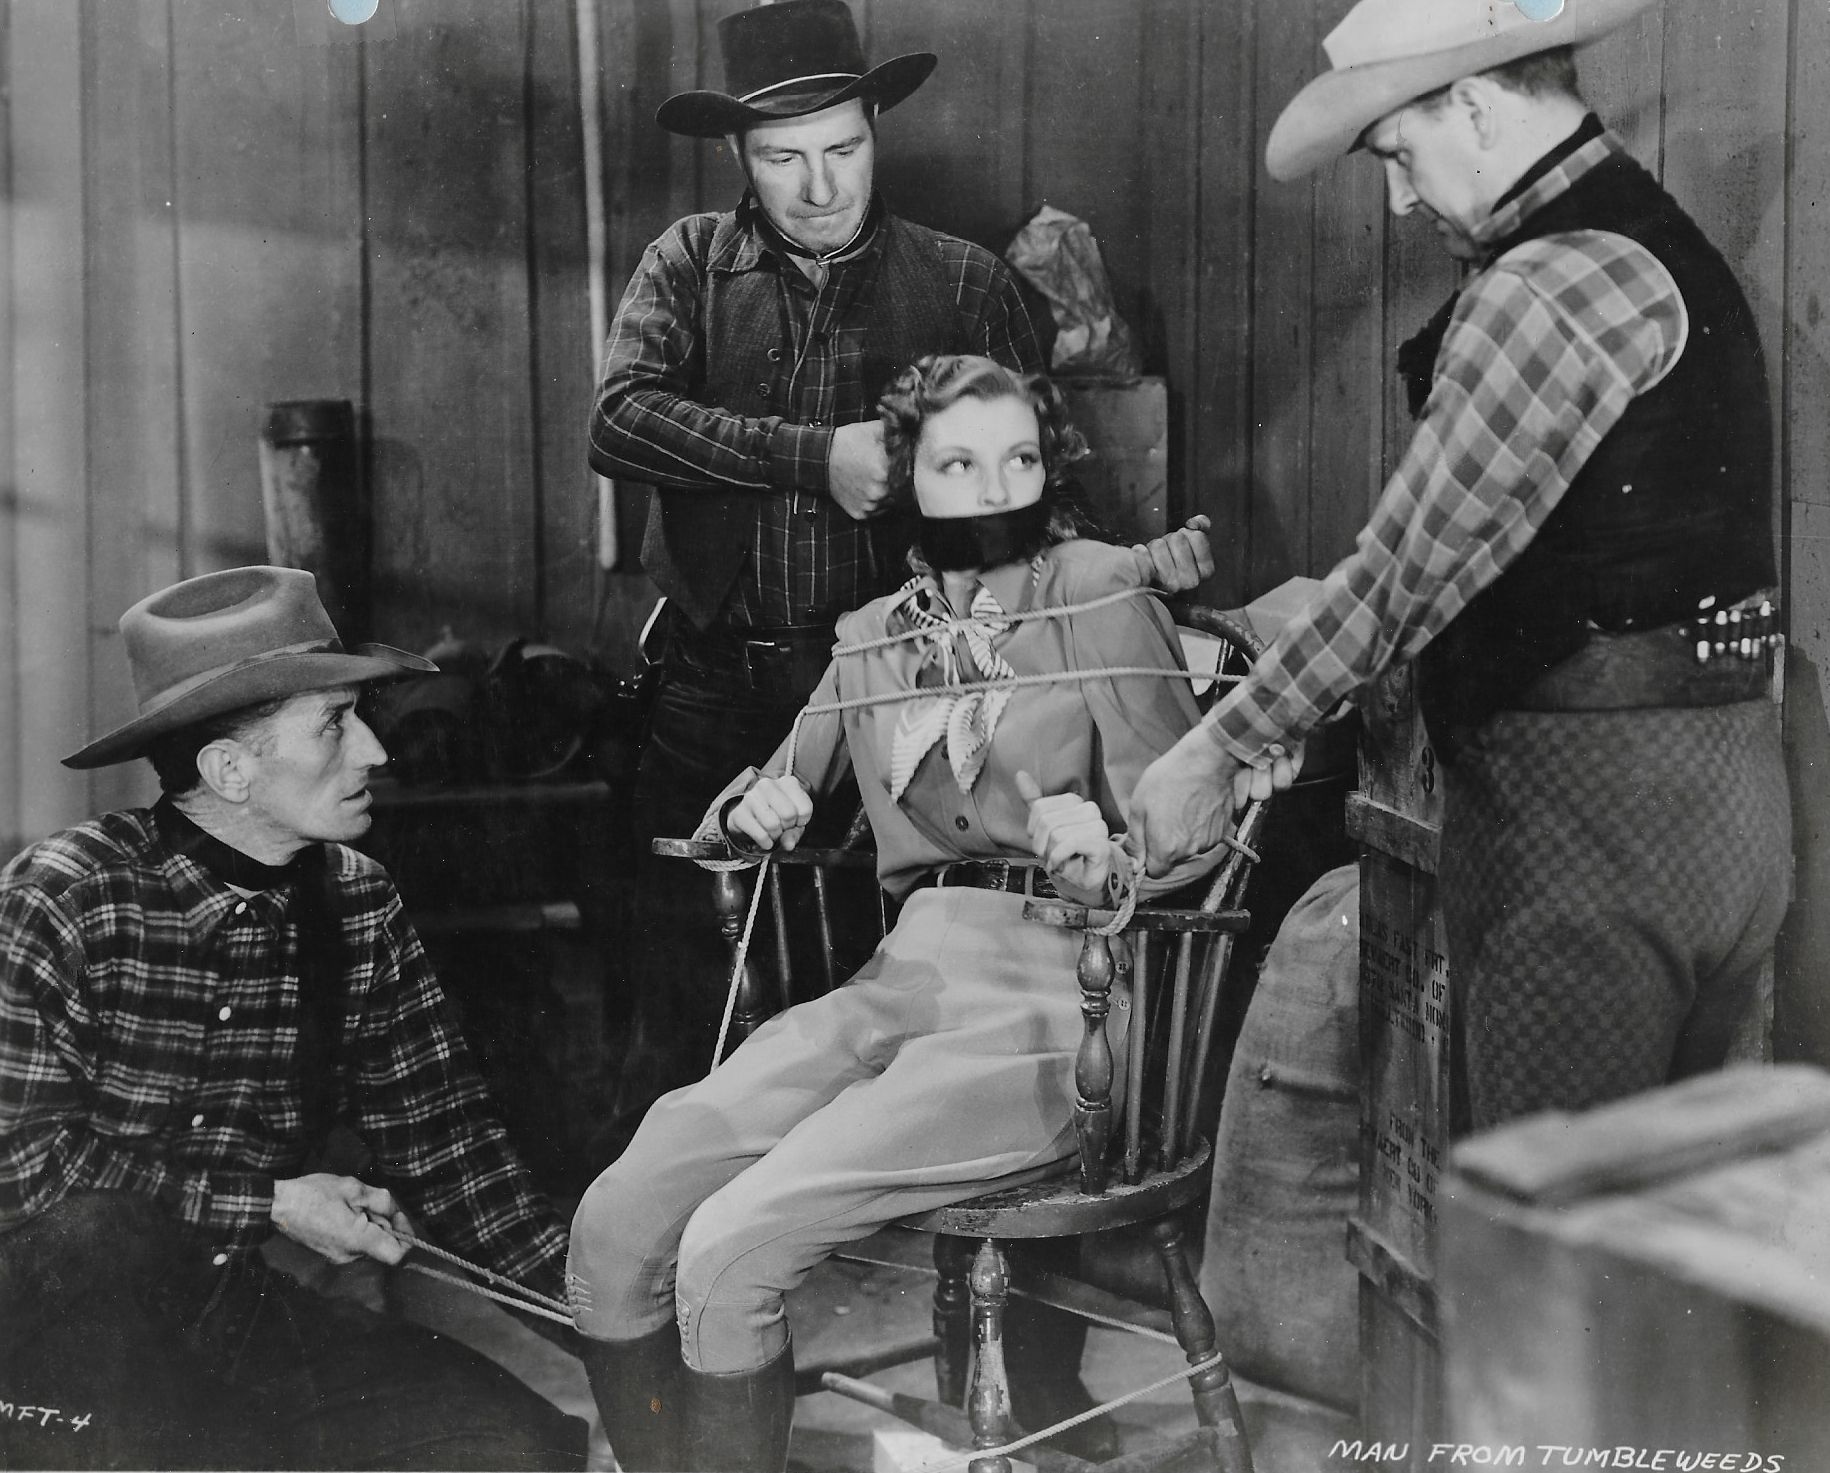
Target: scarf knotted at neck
{"points": [[320, 950], [967, 720]]}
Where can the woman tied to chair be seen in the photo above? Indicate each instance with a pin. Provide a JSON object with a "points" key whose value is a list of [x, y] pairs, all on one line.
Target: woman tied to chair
{"points": [[946, 1063]]}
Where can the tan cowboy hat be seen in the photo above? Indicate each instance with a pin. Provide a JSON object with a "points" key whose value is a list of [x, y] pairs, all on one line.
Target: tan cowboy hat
{"points": [[789, 60], [227, 640], [1385, 52]]}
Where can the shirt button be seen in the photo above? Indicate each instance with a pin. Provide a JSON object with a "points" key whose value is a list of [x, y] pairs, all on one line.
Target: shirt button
{"points": [[962, 823], [220, 1259], [763, 389], [242, 908], [223, 1013], [196, 1120], [775, 355]]}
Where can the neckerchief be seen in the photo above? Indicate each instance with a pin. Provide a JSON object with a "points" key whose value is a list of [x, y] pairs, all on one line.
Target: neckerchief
{"points": [[969, 719]]}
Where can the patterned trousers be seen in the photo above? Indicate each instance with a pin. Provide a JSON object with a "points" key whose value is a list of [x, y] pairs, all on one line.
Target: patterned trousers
{"points": [[1612, 883]]}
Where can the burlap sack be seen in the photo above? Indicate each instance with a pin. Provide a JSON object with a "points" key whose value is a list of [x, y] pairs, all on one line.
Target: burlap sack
{"points": [[1286, 1160]]}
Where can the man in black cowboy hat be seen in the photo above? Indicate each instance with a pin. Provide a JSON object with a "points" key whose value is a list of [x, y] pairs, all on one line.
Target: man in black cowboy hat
{"points": [[741, 380], [191, 996], [1577, 550]]}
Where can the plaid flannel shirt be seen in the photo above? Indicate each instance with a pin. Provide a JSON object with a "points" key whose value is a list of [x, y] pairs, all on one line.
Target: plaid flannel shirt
{"points": [[808, 560], [149, 1018], [1547, 347]]}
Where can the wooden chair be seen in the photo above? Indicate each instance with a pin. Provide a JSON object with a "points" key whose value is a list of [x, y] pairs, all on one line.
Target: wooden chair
{"points": [[1141, 1159]]}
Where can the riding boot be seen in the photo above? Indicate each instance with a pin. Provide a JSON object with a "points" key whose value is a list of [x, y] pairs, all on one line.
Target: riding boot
{"points": [[1042, 1347], [739, 1421], [640, 1387]]}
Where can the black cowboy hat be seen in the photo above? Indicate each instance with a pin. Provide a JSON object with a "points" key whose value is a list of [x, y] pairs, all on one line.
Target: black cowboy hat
{"points": [[788, 60]]}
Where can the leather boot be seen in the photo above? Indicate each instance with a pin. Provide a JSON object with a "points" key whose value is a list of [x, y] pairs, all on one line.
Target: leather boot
{"points": [[1042, 1347], [640, 1388], [739, 1421]]}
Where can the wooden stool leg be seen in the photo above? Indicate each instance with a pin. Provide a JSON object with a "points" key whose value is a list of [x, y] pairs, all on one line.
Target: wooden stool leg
{"points": [[952, 1319], [1216, 1403], [989, 1407]]}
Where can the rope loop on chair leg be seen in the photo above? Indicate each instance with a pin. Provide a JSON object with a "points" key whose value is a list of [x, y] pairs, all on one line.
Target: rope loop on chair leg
{"points": [[1088, 1415]]}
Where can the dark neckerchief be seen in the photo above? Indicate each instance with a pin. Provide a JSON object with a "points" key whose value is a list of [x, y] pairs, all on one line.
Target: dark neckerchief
{"points": [[320, 949], [1417, 355], [224, 861]]}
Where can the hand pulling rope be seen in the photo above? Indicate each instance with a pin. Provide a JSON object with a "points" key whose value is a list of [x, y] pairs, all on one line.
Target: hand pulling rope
{"points": [[527, 1299], [525, 1305]]}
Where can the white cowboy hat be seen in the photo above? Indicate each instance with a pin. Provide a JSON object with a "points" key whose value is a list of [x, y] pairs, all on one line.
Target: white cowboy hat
{"points": [[231, 639], [1385, 52]]}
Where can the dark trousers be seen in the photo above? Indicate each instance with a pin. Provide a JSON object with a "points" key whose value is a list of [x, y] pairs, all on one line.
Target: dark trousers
{"points": [[122, 1346]]}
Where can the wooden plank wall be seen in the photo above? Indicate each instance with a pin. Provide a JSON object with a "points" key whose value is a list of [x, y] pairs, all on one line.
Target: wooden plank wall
{"points": [[212, 206]]}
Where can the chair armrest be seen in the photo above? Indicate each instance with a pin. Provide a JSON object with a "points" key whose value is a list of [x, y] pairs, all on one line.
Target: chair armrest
{"points": [[1076, 917], [719, 851]]}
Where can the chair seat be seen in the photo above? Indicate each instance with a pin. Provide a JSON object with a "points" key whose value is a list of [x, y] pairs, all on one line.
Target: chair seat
{"points": [[1057, 1207]]}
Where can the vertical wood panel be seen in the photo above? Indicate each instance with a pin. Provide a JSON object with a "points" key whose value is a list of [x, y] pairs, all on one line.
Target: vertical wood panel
{"points": [[1802, 1008], [51, 547], [10, 712], [1170, 156], [131, 429], [955, 155], [448, 330], [1086, 88], [1283, 326], [1350, 365], [563, 353], [1620, 76], [267, 198], [1725, 121], [1220, 451]]}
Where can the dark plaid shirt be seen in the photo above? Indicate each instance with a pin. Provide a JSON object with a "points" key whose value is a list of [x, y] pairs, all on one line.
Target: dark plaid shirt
{"points": [[808, 560], [149, 1023]]}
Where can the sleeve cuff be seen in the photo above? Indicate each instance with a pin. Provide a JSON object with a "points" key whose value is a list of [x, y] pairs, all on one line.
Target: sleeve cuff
{"points": [[799, 456], [722, 822]]}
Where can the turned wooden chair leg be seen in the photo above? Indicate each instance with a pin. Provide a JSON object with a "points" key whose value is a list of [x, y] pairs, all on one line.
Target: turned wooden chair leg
{"points": [[1216, 1403], [989, 1406], [952, 1319]]}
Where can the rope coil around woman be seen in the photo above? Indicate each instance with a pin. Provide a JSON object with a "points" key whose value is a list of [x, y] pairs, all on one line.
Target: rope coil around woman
{"points": [[514, 1295], [1127, 907]]}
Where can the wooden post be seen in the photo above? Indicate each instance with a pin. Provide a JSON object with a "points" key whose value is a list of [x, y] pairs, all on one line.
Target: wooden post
{"points": [[1404, 1046], [1093, 1063], [989, 1406]]}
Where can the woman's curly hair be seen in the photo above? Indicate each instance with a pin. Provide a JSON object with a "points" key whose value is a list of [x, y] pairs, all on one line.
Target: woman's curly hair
{"points": [[940, 381]]}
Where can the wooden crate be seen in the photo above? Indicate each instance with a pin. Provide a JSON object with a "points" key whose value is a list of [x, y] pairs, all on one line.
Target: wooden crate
{"points": [[1126, 478], [1654, 1274], [1404, 1043]]}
